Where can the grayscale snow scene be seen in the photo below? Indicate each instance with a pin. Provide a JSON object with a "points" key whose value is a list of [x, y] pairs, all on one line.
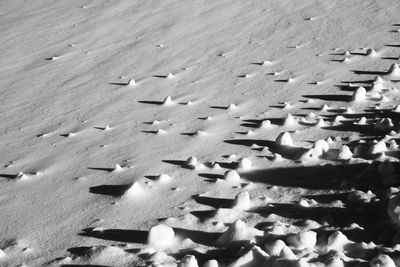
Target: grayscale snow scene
{"points": [[199, 133]]}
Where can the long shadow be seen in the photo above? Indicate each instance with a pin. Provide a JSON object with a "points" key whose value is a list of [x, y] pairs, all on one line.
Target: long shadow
{"points": [[257, 123], [228, 165], [211, 176], [358, 54], [365, 130], [250, 125], [282, 80], [159, 103], [315, 177], [369, 114], [346, 88], [152, 177], [328, 198], [337, 60], [368, 81], [99, 128], [189, 134], [257, 63], [101, 169], [289, 152], [120, 235], [120, 84], [337, 54], [79, 251], [110, 190], [180, 163], [218, 107], [149, 132], [203, 215], [342, 98], [393, 45], [8, 176], [391, 58], [214, 202], [312, 108], [366, 72]]}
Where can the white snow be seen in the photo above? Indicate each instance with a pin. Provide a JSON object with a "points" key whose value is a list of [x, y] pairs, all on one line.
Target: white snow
{"points": [[232, 177], [236, 232], [284, 139], [161, 236], [242, 201], [121, 117]]}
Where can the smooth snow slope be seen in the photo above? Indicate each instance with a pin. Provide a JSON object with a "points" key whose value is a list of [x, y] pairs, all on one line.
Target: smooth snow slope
{"points": [[64, 71]]}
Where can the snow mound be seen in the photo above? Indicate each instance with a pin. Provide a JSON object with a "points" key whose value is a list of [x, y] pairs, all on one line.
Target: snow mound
{"points": [[303, 239], [131, 82], [244, 164], [231, 106], [188, 261], [232, 177], [168, 101], [359, 197], [191, 162], [255, 257], [378, 79], [161, 237], [22, 176], [211, 263], [394, 71], [382, 260], [394, 209], [320, 123], [320, 147], [237, 232], [164, 178], [265, 124], [378, 147], [344, 153], [324, 107], [289, 120], [242, 201], [284, 139], [274, 248], [135, 192], [359, 94], [384, 124], [337, 241], [371, 52], [161, 132], [117, 168], [361, 121], [287, 254]]}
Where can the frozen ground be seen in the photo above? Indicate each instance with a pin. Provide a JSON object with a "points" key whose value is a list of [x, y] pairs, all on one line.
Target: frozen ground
{"points": [[234, 130]]}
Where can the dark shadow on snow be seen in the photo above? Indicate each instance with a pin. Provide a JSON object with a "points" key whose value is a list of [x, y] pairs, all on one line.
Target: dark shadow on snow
{"points": [[120, 235], [110, 190]]}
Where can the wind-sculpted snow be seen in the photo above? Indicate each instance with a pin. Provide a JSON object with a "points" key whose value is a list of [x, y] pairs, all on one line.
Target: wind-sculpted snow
{"points": [[200, 133]]}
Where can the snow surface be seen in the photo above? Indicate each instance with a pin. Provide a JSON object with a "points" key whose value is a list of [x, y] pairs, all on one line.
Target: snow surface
{"points": [[199, 133]]}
